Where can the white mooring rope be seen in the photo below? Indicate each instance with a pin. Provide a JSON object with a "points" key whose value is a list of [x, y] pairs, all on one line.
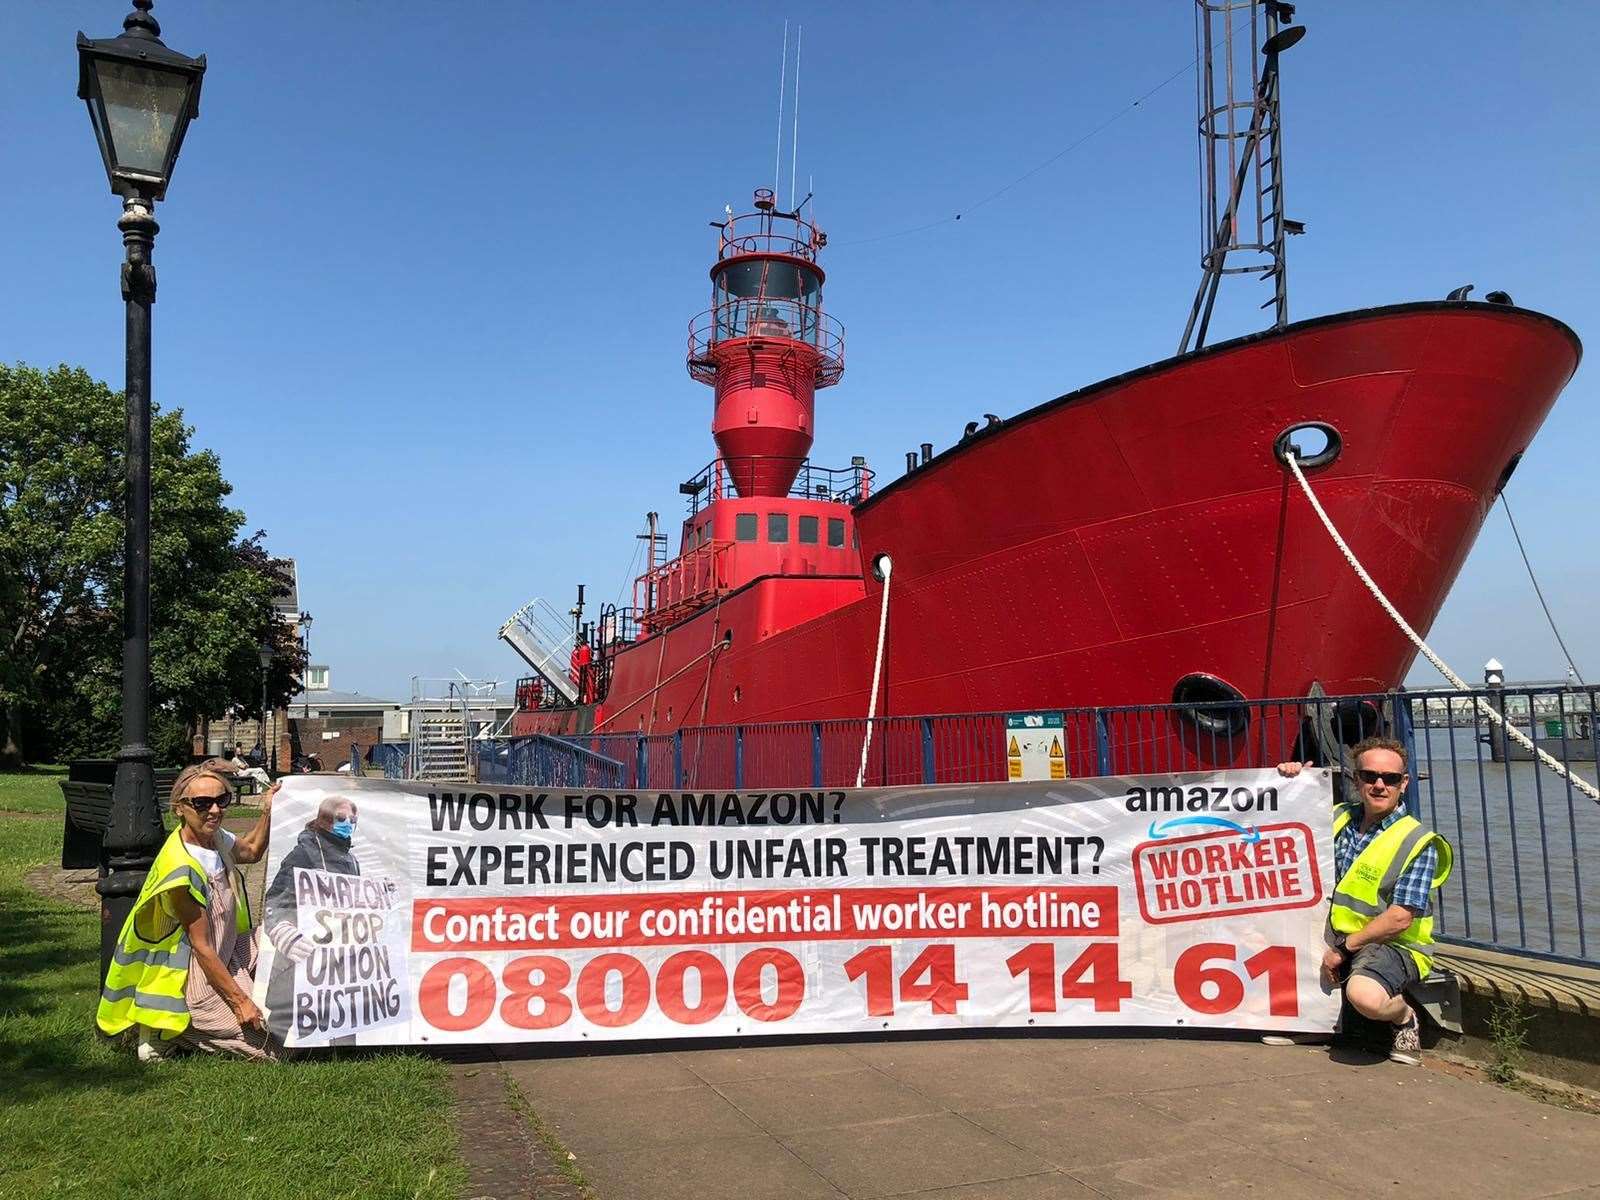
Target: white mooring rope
{"points": [[885, 567], [1487, 709]]}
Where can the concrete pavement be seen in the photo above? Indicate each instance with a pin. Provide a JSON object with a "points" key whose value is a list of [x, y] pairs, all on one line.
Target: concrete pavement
{"points": [[1044, 1117]]}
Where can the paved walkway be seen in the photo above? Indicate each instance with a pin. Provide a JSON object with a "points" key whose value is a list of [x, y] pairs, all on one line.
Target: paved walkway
{"points": [[1045, 1117]]}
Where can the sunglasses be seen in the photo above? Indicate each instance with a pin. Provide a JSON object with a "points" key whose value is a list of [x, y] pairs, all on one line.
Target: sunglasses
{"points": [[1391, 778], [207, 803]]}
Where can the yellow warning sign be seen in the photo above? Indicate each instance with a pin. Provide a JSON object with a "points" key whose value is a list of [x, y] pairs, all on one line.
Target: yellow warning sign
{"points": [[1035, 745]]}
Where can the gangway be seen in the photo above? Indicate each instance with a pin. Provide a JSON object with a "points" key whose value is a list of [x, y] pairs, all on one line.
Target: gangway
{"points": [[543, 638]]}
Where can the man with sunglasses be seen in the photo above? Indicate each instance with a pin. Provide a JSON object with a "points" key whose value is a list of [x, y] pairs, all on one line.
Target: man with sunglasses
{"points": [[1380, 928]]}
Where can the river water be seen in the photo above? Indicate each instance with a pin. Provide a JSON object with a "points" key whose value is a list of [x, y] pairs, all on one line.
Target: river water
{"points": [[1518, 831]]}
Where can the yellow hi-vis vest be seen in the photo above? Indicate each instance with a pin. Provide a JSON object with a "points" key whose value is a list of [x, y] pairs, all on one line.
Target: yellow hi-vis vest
{"points": [[1367, 888], [144, 983]]}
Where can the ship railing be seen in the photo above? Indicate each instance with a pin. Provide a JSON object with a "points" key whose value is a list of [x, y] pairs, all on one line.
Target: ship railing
{"points": [[678, 587], [767, 317], [758, 233], [1522, 836], [836, 485]]}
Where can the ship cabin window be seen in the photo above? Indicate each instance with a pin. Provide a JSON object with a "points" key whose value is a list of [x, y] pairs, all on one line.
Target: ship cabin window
{"points": [[808, 531], [836, 532], [777, 527], [744, 527]]}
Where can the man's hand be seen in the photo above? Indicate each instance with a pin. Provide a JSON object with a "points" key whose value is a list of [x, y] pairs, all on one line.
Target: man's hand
{"points": [[265, 803], [249, 1016], [1290, 769], [1332, 961]]}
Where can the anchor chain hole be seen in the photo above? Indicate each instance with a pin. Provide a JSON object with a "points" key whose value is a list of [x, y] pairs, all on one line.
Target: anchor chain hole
{"points": [[1315, 444]]}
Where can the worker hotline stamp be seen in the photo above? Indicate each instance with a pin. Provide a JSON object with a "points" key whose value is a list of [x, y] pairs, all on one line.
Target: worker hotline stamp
{"points": [[1238, 869]]}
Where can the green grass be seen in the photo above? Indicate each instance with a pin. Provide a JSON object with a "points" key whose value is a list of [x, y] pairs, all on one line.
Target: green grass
{"points": [[79, 1117], [37, 789], [32, 790]]}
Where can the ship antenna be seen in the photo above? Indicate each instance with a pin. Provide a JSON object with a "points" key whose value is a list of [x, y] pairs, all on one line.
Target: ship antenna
{"points": [[794, 145], [783, 79], [1240, 144]]}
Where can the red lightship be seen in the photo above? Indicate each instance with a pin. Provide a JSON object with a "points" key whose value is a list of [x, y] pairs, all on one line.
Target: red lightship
{"points": [[1137, 541]]}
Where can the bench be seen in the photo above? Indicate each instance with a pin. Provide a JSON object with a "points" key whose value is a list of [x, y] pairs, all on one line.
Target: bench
{"points": [[87, 791]]}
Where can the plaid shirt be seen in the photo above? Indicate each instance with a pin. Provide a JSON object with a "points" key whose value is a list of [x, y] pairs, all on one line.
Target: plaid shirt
{"points": [[1415, 882]]}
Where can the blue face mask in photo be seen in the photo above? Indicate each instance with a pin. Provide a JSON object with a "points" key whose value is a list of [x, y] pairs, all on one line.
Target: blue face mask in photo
{"points": [[345, 828]]}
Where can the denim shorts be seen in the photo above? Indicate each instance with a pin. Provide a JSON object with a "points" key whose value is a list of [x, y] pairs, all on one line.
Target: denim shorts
{"points": [[1391, 966]]}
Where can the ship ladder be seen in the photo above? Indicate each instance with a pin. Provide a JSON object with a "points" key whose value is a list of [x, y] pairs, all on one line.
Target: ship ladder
{"points": [[542, 639]]}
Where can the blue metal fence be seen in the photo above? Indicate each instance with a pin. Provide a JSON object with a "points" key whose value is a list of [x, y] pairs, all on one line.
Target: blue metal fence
{"points": [[394, 758], [541, 761], [1520, 833]]}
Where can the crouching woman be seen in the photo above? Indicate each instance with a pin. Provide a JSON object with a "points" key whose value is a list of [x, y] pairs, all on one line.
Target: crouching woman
{"points": [[185, 960]]}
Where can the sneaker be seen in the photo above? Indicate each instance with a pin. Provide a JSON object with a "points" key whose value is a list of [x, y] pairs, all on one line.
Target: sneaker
{"points": [[152, 1049], [1407, 1048]]}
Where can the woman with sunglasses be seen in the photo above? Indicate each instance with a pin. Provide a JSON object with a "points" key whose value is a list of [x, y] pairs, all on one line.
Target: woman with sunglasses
{"points": [[185, 960]]}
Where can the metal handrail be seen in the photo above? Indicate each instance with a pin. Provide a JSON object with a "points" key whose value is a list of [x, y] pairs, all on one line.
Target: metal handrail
{"points": [[738, 239], [767, 318], [838, 485]]}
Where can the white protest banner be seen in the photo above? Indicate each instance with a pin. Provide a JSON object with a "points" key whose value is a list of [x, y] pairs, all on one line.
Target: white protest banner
{"points": [[453, 913]]}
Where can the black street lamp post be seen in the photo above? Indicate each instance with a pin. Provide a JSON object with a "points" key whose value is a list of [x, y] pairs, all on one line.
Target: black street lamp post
{"points": [[266, 666], [141, 98]]}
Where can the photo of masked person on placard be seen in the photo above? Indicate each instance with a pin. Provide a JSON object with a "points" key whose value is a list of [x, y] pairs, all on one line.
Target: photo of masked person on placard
{"points": [[325, 844]]}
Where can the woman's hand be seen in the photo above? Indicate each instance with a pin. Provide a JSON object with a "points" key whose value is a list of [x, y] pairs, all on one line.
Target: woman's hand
{"points": [[249, 1016], [1290, 769], [252, 847]]}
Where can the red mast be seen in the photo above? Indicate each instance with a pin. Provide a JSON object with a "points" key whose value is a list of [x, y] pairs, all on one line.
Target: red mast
{"points": [[765, 345]]}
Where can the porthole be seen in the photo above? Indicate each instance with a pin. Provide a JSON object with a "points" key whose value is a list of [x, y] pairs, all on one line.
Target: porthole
{"points": [[738, 694], [1315, 444], [1211, 705]]}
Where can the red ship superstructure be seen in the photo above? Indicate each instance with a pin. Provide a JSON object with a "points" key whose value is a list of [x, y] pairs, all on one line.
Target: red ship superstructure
{"points": [[761, 510]]}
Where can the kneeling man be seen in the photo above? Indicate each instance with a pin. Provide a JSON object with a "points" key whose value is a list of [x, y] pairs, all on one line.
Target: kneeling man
{"points": [[1386, 862]]}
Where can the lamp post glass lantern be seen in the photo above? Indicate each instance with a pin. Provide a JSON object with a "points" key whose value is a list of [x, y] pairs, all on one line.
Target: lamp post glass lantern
{"points": [[141, 97]]}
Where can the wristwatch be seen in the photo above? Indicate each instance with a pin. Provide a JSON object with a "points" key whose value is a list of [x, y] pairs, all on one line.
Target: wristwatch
{"points": [[1339, 940]]}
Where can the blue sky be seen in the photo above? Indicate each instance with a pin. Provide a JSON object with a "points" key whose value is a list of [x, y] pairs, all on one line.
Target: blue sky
{"points": [[425, 269]]}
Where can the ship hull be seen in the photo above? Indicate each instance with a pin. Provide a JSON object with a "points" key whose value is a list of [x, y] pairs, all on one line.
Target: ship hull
{"points": [[1099, 548]]}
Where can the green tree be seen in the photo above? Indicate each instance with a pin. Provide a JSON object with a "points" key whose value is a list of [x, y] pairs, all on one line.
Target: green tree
{"points": [[61, 512]]}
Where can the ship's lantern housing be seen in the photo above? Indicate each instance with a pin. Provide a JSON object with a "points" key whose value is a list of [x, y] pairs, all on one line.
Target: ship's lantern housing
{"points": [[765, 346]]}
